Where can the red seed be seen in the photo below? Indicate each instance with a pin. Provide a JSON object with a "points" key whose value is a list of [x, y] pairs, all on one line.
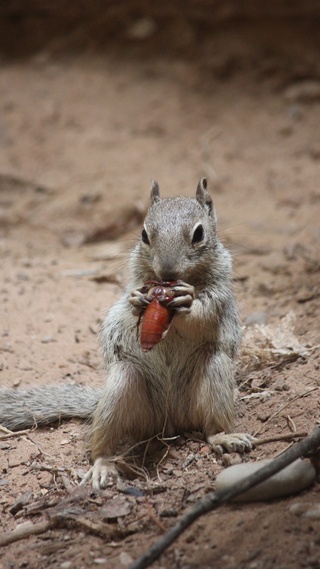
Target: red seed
{"points": [[156, 321]]}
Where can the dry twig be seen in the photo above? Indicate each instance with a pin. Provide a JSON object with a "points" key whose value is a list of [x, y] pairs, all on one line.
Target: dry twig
{"points": [[26, 530], [153, 517], [10, 434], [58, 519], [286, 437]]}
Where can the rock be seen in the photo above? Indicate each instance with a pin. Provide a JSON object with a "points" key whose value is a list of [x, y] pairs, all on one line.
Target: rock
{"points": [[116, 508], [125, 559], [205, 450], [132, 491], [306, 510], [190, 458], [293, 479], [304, 91], [19, 504], [6, 348], [280, 384], [47, 339], [230, 459]]}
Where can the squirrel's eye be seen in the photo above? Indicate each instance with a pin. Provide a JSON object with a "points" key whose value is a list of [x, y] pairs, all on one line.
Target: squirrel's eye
{"points": [[145, 238], [198, 234]]}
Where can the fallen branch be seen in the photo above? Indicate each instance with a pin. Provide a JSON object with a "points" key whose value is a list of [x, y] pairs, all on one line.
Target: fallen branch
{"points": [[26, 530], [62, 520], [213, 500]]}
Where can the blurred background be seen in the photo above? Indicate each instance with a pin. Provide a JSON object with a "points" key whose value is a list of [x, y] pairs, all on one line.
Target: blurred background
{"points": [[99, 98]]}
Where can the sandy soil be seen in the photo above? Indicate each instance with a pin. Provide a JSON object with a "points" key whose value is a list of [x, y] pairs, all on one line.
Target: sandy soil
{"points": [[81, 138]]}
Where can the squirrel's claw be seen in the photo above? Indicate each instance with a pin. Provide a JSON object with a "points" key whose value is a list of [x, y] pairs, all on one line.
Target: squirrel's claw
{"points": [[232, 442], [100, 473], [184, 289], [184, 297], [138, 301], [181, 303]]}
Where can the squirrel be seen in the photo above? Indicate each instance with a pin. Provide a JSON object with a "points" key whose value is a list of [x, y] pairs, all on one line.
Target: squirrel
{"points": [[186, 382]]}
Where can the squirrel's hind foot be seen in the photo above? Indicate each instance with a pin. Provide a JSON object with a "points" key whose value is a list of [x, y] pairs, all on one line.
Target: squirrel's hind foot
{"points": [[100, 473], [231, 442]]}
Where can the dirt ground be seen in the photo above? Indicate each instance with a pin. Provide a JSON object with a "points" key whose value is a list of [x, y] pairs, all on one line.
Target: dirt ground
{"points": [[81, 138]]}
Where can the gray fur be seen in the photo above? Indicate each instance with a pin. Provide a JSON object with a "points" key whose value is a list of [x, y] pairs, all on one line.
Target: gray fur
{"points": [[22, 408], [155, 192], [185, 382]]}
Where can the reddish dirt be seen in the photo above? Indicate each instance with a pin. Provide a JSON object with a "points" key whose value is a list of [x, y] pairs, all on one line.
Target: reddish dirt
{"points": [[81, 138]]}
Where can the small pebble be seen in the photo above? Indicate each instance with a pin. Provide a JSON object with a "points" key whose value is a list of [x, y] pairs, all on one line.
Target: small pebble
{"points": [[306, 510], [280, 384], [21, 276], [125, 559], [190, 458], [19, 504], [6, 348], [205, 450], [47, 339], [291, 480], [131, 491], [230, 459]]}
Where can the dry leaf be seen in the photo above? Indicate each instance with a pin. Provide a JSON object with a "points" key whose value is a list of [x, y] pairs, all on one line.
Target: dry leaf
{"points": [[268, 344]]}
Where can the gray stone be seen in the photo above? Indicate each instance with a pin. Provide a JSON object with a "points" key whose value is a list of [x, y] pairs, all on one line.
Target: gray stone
{"points": [[293, 479], [306, 510]]}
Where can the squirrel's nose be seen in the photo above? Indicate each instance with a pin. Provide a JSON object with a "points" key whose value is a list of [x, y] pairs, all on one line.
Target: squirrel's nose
{"points": [[166, 267], [168, 274]]}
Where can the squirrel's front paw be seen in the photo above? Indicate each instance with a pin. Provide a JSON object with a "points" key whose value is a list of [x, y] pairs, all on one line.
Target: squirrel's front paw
{"points": [[183, 299], [138, 301]]}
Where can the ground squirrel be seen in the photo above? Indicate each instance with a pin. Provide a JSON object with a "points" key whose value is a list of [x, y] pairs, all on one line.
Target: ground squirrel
{"points": [[186, 382]]}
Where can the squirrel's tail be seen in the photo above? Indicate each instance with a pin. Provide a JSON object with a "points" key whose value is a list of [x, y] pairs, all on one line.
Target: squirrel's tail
{"points": [[23, 408]]}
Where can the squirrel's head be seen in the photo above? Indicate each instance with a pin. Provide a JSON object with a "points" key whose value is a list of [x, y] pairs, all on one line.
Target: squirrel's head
{"points": [[178, 240]]}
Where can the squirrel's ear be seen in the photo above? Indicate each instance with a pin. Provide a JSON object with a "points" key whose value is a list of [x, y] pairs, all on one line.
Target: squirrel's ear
{"points": [[155, 192], [204, 198]]}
